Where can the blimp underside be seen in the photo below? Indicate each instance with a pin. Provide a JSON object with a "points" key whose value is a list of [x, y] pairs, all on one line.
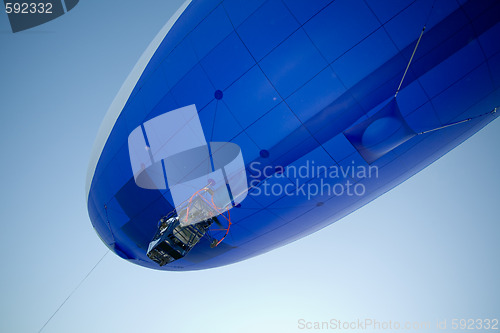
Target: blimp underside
{"points": [[373, 91]]}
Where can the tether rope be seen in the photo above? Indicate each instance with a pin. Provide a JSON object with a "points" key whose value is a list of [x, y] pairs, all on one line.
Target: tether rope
{"points": [[71, 294]]}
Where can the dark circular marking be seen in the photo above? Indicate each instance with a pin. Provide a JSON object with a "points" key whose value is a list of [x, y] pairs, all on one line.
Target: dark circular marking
{"points": [[218, 94]]}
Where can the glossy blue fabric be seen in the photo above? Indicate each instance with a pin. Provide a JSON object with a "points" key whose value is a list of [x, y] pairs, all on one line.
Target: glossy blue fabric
{"points": [[294, 76]]}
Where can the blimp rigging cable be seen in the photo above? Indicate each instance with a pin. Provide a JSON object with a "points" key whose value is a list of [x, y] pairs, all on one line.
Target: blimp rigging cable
{"points": [[72, 292], [408, 67], [414, 50], [458, 122]]}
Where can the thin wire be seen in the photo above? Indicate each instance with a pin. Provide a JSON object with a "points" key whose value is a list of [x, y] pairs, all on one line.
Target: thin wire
{"points": [[458, 122], [213, 123], [71, 294], [415, 49], [107, 221], [409, 62]]}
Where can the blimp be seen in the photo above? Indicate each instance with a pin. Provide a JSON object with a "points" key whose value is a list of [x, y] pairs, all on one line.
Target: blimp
{"points": [[247, 125]]}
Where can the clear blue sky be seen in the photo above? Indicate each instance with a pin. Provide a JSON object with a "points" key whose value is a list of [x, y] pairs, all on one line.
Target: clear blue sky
{"points": [[426, 250]]}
